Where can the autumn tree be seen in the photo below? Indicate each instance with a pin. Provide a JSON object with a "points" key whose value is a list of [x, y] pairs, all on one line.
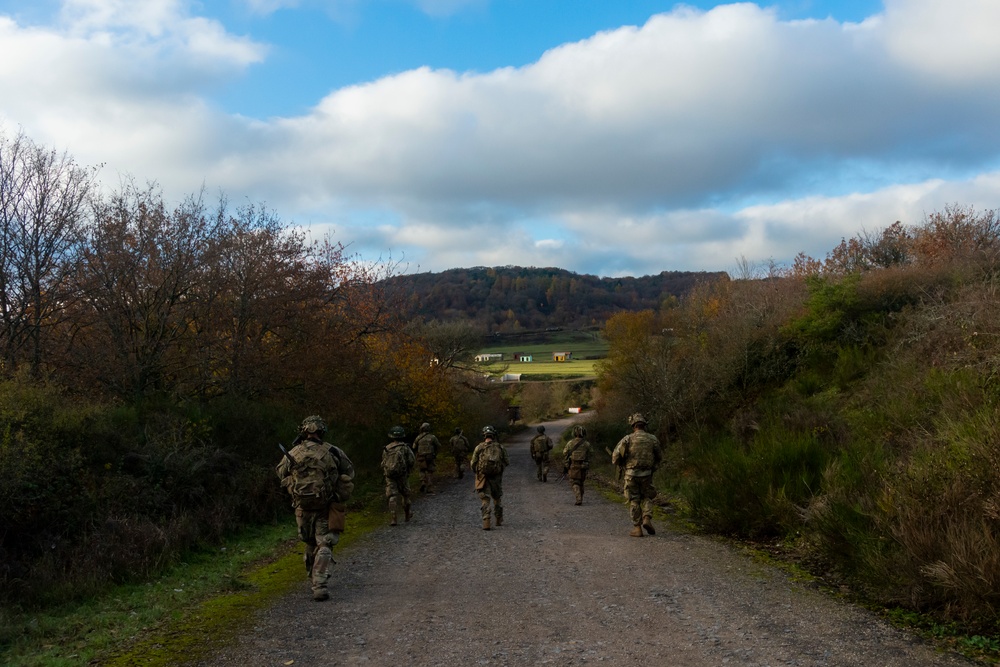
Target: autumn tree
{"points": [[139, 278], [43, 219]]}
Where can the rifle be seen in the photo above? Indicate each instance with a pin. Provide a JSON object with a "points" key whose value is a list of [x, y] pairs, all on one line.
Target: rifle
{"points": [[288, 456]]}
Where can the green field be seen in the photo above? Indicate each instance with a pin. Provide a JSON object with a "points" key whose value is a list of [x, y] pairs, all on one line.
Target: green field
{"points": [[585, 347]]}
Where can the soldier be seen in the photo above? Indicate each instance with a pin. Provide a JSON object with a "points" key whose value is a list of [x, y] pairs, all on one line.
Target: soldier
{"points": [[541, 445], [488, 462], [576, 461], [320, 478], [640, 455], [460, 447], [397, 464], [426, 445]]}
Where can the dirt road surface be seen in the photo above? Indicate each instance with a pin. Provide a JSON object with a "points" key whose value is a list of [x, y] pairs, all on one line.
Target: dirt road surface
{"points": [[560, 584]]}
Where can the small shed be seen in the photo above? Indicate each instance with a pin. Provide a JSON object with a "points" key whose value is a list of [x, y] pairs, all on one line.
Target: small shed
{"points": [[562, 356], [522, 356]]}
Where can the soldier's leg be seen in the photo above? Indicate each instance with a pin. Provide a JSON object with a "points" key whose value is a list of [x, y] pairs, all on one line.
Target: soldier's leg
{"points": [[648, 493], [431, 467], [392, 493], [325, 541], [306, 530], [404, 492], [634, 494], [545, 468], [496, 490], [484, 506]]}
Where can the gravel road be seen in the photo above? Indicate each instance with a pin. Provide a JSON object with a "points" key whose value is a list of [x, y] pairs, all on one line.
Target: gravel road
{"points": [[560, 584]]}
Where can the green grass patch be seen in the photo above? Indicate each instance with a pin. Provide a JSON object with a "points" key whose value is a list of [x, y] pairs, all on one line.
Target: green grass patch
{"points": [[558, 369], [192, 610]]}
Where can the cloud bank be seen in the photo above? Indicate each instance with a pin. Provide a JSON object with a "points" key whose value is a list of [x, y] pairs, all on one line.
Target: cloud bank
{"points": [[683, 144]]}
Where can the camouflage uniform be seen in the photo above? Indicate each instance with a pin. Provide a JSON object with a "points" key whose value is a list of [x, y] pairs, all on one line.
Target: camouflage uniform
{"points": [[426, 445], [489, 487], [576, 462], [541, 445], [460, 452], [397, 485], [640, 455], [319, 529]]}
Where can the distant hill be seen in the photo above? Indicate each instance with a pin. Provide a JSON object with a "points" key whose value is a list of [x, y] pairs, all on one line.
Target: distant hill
{"points": [[511, 298]]}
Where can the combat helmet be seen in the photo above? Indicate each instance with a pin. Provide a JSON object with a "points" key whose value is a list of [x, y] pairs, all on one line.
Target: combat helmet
{"points": [[425, 427], [397, 432], [579, 432], [458, 430], [636, 418], [540, 429], [489, 431], [313, 424]]}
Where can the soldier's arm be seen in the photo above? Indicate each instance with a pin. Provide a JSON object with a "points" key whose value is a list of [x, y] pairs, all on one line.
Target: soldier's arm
{"points": [[618, 456], [283, 470], [346, 467]]}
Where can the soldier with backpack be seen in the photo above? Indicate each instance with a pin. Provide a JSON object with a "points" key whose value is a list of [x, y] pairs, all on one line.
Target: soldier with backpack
{"points": [[541, 445], [426, 445], [397, 464], [488, 462], [639, 454], [576, 461], [460, 447], [320, 478]]}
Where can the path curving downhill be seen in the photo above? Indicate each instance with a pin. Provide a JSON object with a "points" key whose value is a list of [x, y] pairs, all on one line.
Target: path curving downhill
{"points": [[560, 584]]}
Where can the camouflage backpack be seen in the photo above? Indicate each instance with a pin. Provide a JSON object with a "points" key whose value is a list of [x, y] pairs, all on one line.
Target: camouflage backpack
{"points": [[491, 460], [425, 444], [394, 462], [539, 446], [578, 454], [640, 448], [310, 485]]}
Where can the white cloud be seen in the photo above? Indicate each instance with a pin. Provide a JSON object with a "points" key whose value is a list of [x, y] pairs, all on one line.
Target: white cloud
{"points": [[642, 143], [955, 41]]}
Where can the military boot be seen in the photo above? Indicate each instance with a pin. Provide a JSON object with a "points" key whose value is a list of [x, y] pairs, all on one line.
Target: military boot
{"points": [[320, 594], [499, 519], [486, 523], [408, 513], [579, 495], [647, 523], [636, 531]]}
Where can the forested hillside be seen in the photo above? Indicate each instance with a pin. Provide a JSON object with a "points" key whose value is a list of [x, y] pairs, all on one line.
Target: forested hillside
{"points": [[510, 298]]}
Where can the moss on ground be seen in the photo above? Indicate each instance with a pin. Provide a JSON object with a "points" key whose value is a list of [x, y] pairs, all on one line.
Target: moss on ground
{"points": [[212, 623]]}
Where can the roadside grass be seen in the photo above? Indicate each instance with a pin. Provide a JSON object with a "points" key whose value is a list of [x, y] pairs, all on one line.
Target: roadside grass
{"points": [[192, 610]]}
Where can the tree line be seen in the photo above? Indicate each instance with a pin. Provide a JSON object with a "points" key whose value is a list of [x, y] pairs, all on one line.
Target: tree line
{"points": [[152, 354], [512, 298]]}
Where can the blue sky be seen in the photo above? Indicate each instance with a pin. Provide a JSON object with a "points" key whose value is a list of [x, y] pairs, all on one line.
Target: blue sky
{"points": [[612, 138]]}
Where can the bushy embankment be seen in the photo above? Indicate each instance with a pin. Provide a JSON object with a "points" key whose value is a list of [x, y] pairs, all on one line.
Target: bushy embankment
{"points": [[847, 409]]}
